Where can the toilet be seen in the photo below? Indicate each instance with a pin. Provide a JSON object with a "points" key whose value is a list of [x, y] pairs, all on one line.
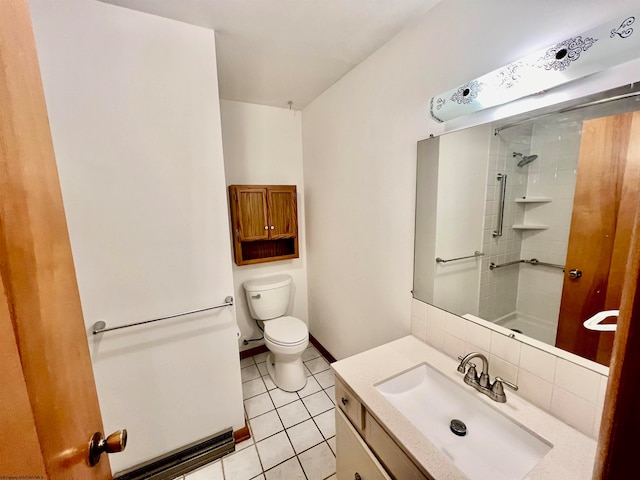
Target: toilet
{"points": [[286, 337]]}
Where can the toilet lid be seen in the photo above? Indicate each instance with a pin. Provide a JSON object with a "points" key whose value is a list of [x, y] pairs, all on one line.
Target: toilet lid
{"points": [[286, 330]]}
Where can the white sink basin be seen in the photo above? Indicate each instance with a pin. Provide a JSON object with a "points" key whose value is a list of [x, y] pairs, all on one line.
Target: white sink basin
{"points": [[494, 447]]}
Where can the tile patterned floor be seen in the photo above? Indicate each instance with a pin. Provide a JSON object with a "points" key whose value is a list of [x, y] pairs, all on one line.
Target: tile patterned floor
{"points": [[292, 434]]}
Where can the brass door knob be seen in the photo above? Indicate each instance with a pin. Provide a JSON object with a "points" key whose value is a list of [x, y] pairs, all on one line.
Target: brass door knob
{"points": [[114, 443]]}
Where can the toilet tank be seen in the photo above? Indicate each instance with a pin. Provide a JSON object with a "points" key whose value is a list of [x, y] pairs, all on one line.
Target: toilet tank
{"points": [[268, 297]]}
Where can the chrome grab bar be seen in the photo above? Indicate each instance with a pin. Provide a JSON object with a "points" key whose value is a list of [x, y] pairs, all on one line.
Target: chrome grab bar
{"points": [[533, 261], [502, 177], [100, 326], [475, 254]]}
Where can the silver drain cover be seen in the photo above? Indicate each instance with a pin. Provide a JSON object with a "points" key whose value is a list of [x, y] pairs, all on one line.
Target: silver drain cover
{"points": [[458, 427]]}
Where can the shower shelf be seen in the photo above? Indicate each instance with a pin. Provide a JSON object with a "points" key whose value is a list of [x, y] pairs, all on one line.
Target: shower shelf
{"points": [[523, 226], [533, 200]]}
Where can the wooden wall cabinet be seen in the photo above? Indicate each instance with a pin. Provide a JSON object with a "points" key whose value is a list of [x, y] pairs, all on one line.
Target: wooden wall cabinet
{"points": [[264, 222]]}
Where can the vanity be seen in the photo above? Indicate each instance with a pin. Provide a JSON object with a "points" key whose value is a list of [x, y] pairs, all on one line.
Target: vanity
{"points": [[376, 441]]}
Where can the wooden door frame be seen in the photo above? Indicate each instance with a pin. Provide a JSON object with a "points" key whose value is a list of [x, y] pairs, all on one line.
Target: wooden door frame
{"points": [[37, 271], [616, 457]]}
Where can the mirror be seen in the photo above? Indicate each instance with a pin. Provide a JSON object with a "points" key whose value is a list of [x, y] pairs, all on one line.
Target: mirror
{"points": [[524, 222]]}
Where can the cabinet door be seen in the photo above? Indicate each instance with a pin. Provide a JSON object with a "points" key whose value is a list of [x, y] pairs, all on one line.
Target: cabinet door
{"points": [[282, 212], [251, 214], [354, 460], [390, 454]]}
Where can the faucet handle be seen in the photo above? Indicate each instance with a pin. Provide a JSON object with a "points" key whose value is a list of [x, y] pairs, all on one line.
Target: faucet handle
{"points": [[497, 391], [499, 381], [472, 373]]}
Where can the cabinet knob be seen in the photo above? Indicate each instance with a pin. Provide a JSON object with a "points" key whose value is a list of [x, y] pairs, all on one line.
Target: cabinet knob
{"points": [[266, 227], [272, 227], [344, 401]]}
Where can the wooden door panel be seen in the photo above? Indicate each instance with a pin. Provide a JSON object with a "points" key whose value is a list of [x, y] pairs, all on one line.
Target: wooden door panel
{"points": [[19, 447], [252, 214], [629, 195], [282, 213], [598, 231], [37, 267], [615, 458]]}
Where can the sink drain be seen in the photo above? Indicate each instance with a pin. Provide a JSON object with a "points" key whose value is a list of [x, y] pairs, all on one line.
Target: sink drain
{"points": [[458, 427]]}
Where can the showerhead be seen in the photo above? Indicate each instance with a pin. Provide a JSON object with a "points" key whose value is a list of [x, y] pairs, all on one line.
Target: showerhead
{"points": [[526, 159]]}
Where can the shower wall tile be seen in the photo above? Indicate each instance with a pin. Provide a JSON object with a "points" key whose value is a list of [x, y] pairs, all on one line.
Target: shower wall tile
{"points": [[561, 385]]}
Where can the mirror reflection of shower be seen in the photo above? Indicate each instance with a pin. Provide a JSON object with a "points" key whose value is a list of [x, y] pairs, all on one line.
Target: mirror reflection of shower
{"points": [[525, 159]]}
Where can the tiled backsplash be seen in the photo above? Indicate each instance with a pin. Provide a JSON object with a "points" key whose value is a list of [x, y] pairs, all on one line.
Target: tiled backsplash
{"points": [[570, 391]]}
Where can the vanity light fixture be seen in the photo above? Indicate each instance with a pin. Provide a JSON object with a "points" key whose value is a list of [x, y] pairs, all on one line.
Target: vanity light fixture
{"points": [[610, 44]]}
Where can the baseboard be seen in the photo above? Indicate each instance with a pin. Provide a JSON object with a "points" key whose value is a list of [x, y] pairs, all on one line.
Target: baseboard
{"points": [[242, 434], [263, 348], [253, 351], [325, 353]]}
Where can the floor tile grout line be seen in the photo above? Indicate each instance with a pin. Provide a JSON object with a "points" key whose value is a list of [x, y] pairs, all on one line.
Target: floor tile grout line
{"points": [[285, 429]]}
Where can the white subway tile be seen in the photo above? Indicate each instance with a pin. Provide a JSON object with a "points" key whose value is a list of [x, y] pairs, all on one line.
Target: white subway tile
{"points": [[578, 380], [469, 348], [435, 337], [597, 420], [602, 391], [418, 309], [453, 346], [535, 389], [506, 348], [455, 325], [419, 327], [573, 410], [435, 317], [541, 364], [478, 335], [501, 368]]}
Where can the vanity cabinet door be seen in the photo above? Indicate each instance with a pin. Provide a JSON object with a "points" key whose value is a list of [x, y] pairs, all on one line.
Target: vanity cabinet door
{"points": [[349, 404], [390, 454], [354, 461]]}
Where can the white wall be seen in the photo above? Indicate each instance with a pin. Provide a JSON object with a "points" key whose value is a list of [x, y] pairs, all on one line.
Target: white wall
{"points": [[359, 140], [134, 113], [263, 146]]}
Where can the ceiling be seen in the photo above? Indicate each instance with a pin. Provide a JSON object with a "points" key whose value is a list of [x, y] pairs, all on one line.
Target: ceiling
{"points": [[271, 52]]}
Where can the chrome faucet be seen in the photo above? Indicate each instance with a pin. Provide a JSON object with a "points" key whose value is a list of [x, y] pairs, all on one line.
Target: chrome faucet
{"points": [[482, 382]]}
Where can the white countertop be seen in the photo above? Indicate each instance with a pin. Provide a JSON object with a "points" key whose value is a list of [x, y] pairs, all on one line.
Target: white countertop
{"points": [[572, 455]]}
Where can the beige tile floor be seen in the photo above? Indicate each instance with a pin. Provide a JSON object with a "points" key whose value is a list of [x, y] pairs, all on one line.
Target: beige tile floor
{"points": [[292, 434]]}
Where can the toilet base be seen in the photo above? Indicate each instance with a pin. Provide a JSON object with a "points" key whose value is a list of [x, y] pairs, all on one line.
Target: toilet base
{"points": [[286, 372]]}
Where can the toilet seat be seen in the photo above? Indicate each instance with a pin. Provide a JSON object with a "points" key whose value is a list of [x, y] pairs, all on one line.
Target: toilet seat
{"points": [[286, 331]]}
